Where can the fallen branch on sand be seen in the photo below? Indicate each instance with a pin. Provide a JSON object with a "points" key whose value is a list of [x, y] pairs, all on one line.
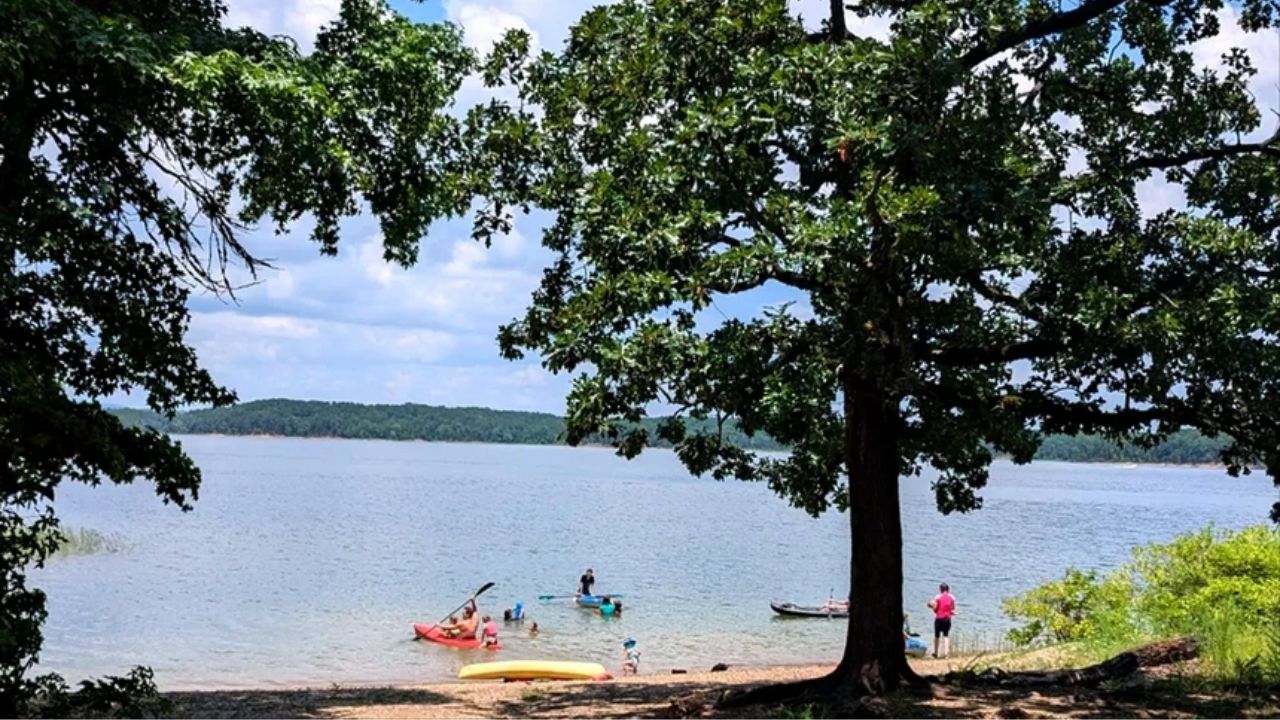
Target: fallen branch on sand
{"points": [[1126, 663]]}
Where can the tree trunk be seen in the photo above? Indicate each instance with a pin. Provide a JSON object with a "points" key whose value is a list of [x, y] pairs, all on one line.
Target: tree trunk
{"points": [[874, 660]]}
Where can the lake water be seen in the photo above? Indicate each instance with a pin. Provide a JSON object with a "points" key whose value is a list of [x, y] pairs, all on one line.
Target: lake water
{"points": [[306, 561]]}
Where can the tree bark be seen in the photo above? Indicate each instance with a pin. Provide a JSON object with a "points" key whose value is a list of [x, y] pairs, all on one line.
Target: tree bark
{"points": [[874, 661]]}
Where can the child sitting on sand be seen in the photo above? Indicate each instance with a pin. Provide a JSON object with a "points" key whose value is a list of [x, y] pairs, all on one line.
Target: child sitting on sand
{"points": [[630, 657]]}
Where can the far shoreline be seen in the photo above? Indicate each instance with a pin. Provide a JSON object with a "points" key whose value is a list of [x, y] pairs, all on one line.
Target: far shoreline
{"points": [[604, 446]]}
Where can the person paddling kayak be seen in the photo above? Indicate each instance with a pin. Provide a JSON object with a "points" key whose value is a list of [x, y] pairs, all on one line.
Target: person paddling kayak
{"points": [[466, 629]]}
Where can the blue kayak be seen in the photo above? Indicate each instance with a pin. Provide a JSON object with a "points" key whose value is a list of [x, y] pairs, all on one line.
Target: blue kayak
{"points": [[592, 601], [916, 647]]}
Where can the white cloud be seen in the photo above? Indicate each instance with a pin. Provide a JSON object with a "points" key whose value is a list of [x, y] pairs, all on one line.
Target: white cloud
{"points": [[484, 25], [229, 339], [298, 19]]}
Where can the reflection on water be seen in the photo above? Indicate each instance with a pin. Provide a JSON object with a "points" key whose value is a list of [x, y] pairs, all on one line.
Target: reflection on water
{"points": [[307, 561]]}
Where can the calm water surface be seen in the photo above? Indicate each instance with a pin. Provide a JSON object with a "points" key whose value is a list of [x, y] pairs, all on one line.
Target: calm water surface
{"points": [[306, 561]]}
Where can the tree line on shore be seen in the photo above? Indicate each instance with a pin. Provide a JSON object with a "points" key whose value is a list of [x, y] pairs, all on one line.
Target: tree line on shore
{"points": [[313, 418]]}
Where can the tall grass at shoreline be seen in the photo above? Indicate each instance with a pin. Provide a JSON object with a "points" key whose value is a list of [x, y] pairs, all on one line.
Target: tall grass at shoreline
{"points": [[87, 541]]}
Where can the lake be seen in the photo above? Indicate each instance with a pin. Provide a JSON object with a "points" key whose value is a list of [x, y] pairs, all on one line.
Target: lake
{"points": [[307, 561]]}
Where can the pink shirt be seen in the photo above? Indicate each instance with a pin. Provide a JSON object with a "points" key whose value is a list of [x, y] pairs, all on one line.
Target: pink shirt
{"points": [[944, 606], [491, 629]]}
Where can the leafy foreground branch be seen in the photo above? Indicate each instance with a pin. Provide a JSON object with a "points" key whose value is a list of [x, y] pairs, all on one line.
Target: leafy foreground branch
{"points": [[138, 141]]}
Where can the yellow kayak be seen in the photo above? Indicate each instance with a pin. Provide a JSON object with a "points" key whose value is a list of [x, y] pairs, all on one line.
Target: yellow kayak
{"points": [[532, 670]]}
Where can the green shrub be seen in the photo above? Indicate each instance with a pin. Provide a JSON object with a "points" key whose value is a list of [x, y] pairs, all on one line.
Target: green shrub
{"points": [[132, 696], [1195, 578], [1221, 586], [1077, 607]]}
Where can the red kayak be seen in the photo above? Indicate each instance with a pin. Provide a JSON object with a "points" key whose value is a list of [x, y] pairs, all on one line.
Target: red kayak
{"points": [[435, 635]]}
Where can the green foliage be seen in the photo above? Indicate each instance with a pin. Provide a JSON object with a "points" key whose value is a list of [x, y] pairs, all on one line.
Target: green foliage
{"points": [[947, 205], [1220, 587], [1073, 608], [297, 418], [132, 696], [1185, 583], [138, 140]]}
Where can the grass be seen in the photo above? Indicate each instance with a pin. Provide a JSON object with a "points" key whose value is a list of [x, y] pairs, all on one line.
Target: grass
{"points": [[84, 541]]}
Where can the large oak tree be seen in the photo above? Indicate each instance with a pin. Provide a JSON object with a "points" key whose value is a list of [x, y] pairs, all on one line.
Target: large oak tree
{"points": [[959, 207], [138, 140]]}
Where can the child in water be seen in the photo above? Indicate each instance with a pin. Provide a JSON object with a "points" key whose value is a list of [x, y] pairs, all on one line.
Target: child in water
{"points": [[533, 630], [630, 657], [490, 634], [607, 607]]}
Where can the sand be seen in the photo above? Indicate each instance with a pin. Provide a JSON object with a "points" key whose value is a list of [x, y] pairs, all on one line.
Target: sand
{"points": [[662, 694]]}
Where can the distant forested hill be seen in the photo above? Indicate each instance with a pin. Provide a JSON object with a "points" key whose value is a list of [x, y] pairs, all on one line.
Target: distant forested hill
{"points": [[307, 418]]}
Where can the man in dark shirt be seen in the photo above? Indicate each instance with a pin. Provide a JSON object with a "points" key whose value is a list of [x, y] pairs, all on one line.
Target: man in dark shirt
{"points": [[585, 582]]}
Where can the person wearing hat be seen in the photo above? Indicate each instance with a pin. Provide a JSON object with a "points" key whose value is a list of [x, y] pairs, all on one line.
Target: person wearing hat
{"points": [[630, 657]]}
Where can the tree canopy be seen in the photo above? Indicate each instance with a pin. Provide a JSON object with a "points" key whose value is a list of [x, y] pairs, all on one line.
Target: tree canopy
{"points": [[958, 207], [139, 139]]}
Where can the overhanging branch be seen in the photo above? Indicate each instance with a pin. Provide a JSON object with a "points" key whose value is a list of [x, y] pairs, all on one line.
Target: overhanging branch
{"points": [[1044, 27], [1270, 146], [962, 356]]}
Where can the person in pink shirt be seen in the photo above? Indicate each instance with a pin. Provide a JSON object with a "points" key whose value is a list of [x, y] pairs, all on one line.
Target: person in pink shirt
{"points": [[943, 607], [489, 632]]}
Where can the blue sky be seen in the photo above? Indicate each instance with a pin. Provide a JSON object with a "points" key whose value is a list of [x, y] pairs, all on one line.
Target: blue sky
{"points": [[355, 328]]}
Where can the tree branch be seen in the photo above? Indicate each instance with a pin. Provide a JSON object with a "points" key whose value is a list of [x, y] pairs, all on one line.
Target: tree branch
{"points": [[837, 28], [960, 356], [1036, 29], [1270, 146], [999, 296]]}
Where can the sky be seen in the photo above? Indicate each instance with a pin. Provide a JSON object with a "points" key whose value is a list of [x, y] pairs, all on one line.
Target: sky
{"points": [[355, 328]]}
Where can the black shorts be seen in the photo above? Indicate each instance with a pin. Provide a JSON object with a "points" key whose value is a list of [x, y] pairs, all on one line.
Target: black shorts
{"points": [[942, 627]]}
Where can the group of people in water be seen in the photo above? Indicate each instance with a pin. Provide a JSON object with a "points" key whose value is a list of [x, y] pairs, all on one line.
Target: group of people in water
{"points": [[943, 606], [472, 622]]}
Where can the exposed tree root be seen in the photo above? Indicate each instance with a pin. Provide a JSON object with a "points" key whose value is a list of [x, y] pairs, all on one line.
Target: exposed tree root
{"points": [[853, 694], [814, 688]]}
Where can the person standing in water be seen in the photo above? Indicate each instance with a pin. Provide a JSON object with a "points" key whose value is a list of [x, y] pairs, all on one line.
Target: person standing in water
{"points": [[585, 582], [943, 607]]}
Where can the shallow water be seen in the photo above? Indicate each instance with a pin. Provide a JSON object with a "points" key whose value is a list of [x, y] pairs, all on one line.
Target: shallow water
{"points": [[306, 561]]}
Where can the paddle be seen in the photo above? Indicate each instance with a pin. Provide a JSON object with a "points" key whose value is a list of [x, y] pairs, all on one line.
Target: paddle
{"points": [[474, 595], [570, 597]]}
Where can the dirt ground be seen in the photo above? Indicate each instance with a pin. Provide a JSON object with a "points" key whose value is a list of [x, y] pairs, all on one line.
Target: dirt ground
{"points": [[653, 695]]}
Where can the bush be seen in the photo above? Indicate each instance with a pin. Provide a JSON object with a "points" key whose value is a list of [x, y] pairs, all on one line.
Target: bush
{"points": [[1077, 607], [133, 696], [1221, 586], [1192, 580]]}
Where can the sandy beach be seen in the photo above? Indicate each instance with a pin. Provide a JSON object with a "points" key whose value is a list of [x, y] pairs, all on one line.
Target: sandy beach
{"points": [[694, 694]]}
